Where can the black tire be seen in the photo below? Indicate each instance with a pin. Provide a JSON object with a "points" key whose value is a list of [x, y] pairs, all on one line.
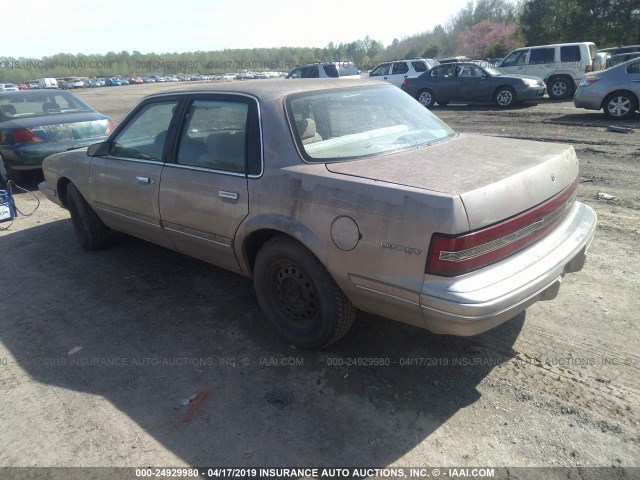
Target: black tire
{"points": [[7, 173], [91, 232], [426, 97], [619, 105], [505, 97], [298, 296], [560, 88]]}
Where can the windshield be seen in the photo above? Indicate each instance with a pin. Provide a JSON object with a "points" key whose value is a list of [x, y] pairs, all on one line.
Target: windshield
{"points": [[26, 104], [358, 122]]}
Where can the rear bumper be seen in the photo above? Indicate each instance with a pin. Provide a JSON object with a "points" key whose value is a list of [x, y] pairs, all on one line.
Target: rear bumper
{"points": [[585, 98], [30, 157], [476, 302]]}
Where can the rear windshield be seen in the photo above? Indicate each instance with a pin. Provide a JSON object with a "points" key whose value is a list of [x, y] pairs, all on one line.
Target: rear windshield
{"points": [[344, 124], [25, 104]]}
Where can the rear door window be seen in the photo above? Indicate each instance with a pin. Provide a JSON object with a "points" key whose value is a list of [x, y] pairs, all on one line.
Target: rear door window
{"points": [[215, 136], [311, 72], [331, 70], [542, 55], [400, 68]]}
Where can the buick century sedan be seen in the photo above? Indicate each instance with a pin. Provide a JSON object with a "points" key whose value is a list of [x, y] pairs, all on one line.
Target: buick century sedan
{"points": [[335, 197]]}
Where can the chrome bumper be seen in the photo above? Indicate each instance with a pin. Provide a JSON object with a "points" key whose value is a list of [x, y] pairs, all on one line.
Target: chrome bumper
{"points": [[476, 302]]}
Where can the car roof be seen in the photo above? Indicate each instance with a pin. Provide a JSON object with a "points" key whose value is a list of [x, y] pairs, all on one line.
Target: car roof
{"points": [[556, 45], [272, 88]]}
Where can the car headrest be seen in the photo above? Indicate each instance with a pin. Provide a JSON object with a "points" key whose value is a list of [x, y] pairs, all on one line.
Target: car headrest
{"points": [[307, 128]]}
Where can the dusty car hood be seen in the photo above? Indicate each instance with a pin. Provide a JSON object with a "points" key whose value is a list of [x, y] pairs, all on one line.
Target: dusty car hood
{"points": [[495, 177]]}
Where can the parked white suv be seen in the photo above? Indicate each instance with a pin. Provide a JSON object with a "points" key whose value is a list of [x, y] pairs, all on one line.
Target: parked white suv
{"points": [[397, 70], [326, 70], [561, 66]]}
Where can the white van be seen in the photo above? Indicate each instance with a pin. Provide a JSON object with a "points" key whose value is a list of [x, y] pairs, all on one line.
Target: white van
{"points": [[47, 83], [561, 65]]}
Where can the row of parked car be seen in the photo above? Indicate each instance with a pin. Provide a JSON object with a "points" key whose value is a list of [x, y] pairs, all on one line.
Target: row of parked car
{"points": [[562, 71]]}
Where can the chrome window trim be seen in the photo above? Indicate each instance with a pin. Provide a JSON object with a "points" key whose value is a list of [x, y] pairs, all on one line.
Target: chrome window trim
{"points": [[205, 169], [137, 160]]}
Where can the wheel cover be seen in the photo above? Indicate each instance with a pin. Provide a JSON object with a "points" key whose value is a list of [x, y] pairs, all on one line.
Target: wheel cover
{"points": [[424, 98], [559, 88], [504, 97], [619, 106], [295, 294]]}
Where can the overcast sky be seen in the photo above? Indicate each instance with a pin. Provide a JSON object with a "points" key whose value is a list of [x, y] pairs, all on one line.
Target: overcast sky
{"points": [[45, 27]]}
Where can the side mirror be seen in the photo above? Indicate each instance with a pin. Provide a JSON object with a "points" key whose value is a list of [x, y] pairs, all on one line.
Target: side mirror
{"points": [[99, 149], [484, 76]]}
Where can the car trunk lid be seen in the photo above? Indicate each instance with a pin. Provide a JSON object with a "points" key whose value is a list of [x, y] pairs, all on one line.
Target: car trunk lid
{"points": [[495, 177], [62, 127]]}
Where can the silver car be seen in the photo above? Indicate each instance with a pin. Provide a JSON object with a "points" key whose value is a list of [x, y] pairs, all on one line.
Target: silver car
{"points": [[615, 90], [335, 196]]}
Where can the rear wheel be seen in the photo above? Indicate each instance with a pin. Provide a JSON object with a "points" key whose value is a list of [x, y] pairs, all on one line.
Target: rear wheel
{"points": [[298, 295], [560, 88], [91, 232], [426, 97], [505, 97], [619, 106], [7, 173]]}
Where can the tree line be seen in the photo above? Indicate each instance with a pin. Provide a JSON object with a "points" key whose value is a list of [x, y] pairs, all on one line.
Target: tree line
{"points": [[481, 29]]}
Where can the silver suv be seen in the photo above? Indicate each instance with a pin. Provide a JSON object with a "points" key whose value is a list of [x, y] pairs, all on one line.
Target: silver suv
{"points": [[397, 70]]}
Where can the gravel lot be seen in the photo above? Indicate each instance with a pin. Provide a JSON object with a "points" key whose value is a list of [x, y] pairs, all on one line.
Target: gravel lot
{"points": [[100, 352]]}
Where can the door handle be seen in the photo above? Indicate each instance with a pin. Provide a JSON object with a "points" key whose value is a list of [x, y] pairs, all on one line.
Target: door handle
{"points": [[229, 195], [144, 180]]}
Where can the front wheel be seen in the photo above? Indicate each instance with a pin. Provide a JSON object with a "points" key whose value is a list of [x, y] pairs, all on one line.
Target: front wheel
{"points": [[426, 98], [559, 88], [298, 296], [91, 232], [505, 97], [619, 106]]}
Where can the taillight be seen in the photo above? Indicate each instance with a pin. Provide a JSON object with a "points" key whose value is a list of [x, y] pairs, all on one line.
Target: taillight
{"points": [[110, 127], [405, 83], [587, 68], [588, 80], [25, 136], [453, 255]]}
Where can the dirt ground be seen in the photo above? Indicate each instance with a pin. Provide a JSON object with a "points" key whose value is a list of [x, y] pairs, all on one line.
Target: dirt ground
{"points": [[138, 356]]}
